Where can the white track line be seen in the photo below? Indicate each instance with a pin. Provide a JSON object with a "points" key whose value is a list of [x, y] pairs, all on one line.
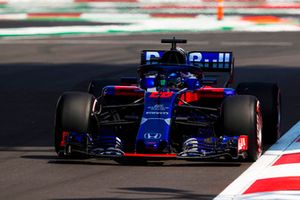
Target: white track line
{"points": [[256, 170], [282, 195], [281, 171]]}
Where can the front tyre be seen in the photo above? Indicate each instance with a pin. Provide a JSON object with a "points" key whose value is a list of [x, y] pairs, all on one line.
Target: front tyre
{"points": [[269, 97], [241, 115], [73, 114]]}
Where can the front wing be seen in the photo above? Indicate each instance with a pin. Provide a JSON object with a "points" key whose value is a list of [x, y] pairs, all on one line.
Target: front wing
{"points": [[237, 150]]}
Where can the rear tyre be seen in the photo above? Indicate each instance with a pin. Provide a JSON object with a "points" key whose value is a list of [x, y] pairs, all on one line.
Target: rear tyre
{"points": [[73, 113], [240, 115], [269, 97]]}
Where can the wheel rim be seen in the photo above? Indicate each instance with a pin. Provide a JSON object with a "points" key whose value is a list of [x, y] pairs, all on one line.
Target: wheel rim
{"points": [[258, 130]]}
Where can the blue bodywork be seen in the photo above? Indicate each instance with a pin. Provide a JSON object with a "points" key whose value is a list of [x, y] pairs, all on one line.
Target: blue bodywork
{"points": [[154, 133], [143, 120], [154, 130]]}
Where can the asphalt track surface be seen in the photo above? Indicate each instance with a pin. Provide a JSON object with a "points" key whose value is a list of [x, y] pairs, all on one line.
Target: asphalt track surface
{"points": [[34, 72]]}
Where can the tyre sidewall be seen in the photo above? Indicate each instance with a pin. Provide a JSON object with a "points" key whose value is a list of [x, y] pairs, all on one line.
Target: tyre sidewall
{"points": [[240, 117]]}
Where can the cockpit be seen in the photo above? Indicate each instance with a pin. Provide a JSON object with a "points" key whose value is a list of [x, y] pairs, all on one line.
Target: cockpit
{"points": [[168, 78]]}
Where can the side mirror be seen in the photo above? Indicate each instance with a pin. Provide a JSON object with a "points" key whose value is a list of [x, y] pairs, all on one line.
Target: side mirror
{"points": [[192, 83], [148, 82]]}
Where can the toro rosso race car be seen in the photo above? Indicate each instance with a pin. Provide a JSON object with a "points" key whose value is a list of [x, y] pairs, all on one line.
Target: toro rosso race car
{"points": [[171, 110]]}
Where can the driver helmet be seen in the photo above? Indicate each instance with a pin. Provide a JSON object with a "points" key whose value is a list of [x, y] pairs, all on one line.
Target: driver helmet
{"points": [[174, 80]]}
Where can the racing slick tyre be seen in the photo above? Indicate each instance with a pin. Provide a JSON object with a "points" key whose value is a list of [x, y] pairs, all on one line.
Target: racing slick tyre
{"points": [[73, 113], [269, 97], [94, 88], [240, 115]]}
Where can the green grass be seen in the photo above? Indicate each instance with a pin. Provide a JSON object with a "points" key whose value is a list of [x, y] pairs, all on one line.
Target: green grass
{"points": [[227, 28]]}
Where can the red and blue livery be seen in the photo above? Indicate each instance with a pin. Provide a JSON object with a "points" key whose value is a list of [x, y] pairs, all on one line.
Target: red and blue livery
{"points": [[174, 109]]}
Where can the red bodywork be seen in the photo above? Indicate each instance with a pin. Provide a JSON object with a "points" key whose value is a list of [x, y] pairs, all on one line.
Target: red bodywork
{"points": [[188, 96]]}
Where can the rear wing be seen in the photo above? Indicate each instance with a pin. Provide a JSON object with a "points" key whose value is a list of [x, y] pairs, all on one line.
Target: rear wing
{"points": [[149, 57], [208, 61]]}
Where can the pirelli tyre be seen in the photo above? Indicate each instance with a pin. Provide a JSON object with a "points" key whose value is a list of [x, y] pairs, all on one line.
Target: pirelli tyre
{"points": [[95, 88], [269, 97], [73, 113], [240, 115]]}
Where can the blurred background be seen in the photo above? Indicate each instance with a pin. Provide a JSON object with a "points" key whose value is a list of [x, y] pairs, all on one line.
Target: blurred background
{"points": [[52, 46], [115, 16]]}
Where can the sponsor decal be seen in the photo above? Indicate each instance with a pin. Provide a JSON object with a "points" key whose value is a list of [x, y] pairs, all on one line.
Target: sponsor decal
{"points": [[219, 60], [161, 95], [243, 143], [158, 107], [155, 136], [156, 113]]}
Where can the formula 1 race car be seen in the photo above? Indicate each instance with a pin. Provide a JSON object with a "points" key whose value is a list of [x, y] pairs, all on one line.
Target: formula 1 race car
{"points": [[172, 110]]}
